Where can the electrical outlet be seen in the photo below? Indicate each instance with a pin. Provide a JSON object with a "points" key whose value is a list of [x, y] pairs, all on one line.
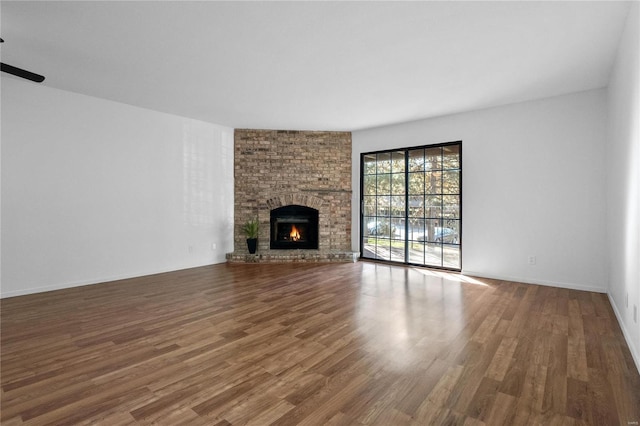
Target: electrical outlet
{"points": [[626, 300], [214, 246], [531, 260], [635, 313], [190, 249]]}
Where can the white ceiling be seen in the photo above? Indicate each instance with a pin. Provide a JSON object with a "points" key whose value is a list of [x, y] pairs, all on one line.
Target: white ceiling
{"points": [[314, 65]]}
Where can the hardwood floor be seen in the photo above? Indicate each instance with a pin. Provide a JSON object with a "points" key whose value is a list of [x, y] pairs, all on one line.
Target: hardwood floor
{"points": [[315, 344]]}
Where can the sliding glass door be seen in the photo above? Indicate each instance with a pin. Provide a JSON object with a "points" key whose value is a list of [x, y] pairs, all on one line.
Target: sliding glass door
{"points": [[384, 205], [411, 205]]}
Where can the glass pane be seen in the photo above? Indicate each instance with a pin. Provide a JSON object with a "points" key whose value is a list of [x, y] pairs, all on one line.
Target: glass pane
{"points": [[451, 157], [451, 182], [416, 229], [432, 229], [451, 206], [451, 211], [416, 252], [433, 255], [416, 160], [369, 204], [369, 167], [451, 256], [369, 225], [433, 206], [397, 183], [416, 183], [369, 185], [397, 250], [433, 182], [384, 184], [397, 162], [447, 234], [454, 234], [434, 212], [452, 223], [383, 251], [397, 227], [368, 248], [433, 158], [416, 206], [383, 205], [397, 205], [384, 163], [382, 228]]}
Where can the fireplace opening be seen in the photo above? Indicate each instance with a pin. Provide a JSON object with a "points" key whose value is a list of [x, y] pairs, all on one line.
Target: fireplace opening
{"points": [[294, 227]]}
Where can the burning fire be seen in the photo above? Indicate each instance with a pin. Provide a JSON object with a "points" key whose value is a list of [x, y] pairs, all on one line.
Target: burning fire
{"points": [[294, 234]]}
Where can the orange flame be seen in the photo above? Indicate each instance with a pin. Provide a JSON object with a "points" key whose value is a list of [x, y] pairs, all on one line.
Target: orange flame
{"points": [[294, 234]]}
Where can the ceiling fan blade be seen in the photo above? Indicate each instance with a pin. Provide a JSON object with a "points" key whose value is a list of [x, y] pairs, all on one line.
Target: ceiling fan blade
{"points": [[19, 72]]}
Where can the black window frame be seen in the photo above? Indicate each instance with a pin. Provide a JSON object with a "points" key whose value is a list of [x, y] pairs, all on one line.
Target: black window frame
{"points": [[406, 151]]}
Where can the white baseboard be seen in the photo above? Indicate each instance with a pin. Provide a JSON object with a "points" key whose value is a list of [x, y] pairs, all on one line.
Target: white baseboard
{"points": [[538, 282], [61, 286], [625, 333]]}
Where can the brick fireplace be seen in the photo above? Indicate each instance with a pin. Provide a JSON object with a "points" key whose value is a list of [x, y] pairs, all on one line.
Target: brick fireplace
{"points": [[285, 171]]}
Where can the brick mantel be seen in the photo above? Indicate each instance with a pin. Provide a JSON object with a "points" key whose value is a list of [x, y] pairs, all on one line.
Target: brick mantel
{"points": [[275, 168]]}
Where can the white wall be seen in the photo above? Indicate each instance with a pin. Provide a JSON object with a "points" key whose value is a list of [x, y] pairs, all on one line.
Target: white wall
{"points": [[533, 184], [623, 182], [94, 190]]}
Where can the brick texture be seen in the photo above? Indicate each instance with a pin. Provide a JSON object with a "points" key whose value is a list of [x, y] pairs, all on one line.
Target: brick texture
{"points": [[274, 168]]}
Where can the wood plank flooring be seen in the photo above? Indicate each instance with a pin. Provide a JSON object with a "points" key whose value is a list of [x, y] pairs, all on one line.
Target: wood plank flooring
{"points": [[315, 344]]}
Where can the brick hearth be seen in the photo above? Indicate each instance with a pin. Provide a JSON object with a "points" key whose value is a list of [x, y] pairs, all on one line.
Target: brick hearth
{"points": [[274, 168]]}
